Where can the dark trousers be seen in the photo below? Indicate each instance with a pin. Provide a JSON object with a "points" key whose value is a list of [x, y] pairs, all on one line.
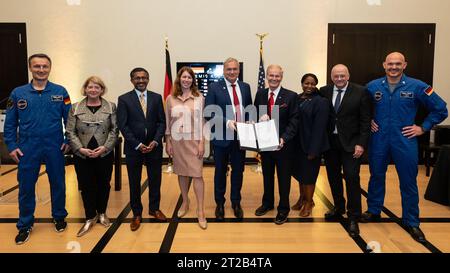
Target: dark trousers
{"points": [[94, 176], [134, 168], [222, 156], [270, 161], [336, 159]]}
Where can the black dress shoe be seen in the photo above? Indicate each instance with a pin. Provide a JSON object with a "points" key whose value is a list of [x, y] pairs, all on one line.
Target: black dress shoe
{"points": [[220, 213], [367, 217], [238, 212], [262, 210], [417, 234], [353, 229], [334, 214], [281, 218]]}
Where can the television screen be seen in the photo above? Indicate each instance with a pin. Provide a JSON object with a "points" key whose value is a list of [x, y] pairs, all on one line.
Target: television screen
{"points": [[207, 72]]}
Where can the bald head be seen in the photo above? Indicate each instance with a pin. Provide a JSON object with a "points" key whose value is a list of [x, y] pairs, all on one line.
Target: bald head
{"points": [[393, 66], [340, 76], [395, 56]]}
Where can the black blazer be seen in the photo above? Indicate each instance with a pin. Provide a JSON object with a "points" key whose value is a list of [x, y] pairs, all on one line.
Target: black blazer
{"points": [[218, 96], [287, 121], [313, 117], [353, 117], [135, 127]]}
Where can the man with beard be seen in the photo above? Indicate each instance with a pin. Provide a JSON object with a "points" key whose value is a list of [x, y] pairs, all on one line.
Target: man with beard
{"points": [[396, 98]]}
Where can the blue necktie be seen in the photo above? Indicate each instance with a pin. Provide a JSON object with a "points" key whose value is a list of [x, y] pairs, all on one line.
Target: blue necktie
{"points": [[337, 102]]}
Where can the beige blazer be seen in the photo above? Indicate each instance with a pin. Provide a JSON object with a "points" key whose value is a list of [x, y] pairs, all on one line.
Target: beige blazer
{"points": [[82, 125]]}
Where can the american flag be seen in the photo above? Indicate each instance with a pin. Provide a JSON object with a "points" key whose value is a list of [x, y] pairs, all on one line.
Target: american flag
{"points": [[261, 73]]}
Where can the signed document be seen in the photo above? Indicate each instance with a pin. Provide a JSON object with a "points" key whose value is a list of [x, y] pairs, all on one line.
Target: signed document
{"points": [[260, 137]]}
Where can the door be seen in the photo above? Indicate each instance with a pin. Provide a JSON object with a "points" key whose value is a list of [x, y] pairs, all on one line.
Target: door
{"points": [[13, 68], [13, 59]]}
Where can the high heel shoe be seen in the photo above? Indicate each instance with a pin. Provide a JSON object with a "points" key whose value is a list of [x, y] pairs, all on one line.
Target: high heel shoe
{"points": [[203, 224], [182, 212], [299, 204], [104, 220], [87, 226], [307, 209]]}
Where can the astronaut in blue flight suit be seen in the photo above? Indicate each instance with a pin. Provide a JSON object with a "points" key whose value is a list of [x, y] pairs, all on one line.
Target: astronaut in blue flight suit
{"points": [[37, 110], [396, 98]]}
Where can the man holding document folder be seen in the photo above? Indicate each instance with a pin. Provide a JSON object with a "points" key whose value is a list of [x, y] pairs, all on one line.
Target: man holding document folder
{"points": [[276, 108], [259, 137]]}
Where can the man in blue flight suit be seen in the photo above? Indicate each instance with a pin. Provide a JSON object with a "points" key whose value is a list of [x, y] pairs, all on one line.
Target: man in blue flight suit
{"points": [[394, 135], [36, 110]]}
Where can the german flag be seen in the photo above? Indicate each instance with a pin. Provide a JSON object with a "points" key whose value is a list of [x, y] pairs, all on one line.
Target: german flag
{"points": [[429, 91], [67, 100], [168, 77]]}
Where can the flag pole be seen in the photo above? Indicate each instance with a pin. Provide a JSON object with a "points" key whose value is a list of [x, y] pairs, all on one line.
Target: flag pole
{"points": [[261, 85], [169, 168]]}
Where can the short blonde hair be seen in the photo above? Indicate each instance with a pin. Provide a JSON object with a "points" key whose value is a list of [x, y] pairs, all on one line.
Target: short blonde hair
{"points": [[96, 80]]}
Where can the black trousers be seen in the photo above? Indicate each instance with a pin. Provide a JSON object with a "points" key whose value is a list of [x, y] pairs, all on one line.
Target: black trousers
{"points": [[94, 176], [337, 159], [134, 168], [270, 161]]}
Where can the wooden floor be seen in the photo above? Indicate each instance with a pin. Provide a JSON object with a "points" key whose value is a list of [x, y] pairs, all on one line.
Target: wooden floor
{"points": [[252, 235]]}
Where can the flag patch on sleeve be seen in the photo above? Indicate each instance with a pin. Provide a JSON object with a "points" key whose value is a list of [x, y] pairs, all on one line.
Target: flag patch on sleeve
{"points": [[429, 91], [67, 100]]}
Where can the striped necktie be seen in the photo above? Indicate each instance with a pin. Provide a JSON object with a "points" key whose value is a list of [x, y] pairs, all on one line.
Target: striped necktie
{"points": [[143, 104]]}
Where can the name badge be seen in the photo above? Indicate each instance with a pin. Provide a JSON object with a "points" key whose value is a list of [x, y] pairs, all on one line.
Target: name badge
{"points": [[57, 98], [406, 95]]}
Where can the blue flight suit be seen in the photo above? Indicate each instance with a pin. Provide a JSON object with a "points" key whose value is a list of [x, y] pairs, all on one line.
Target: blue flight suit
{"points": [[392, 112], [38, 116]]}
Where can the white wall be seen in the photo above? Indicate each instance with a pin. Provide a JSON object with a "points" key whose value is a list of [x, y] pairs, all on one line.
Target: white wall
{"points": [[110, 37]]}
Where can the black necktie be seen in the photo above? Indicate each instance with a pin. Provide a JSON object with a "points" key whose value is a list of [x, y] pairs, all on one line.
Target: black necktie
{"points": [[337, 102]]}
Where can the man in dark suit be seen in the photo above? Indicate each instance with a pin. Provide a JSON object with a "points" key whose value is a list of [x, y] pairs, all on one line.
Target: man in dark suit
{"points": [[349, 133], [230, 96], [141, 119], [280, 105]]}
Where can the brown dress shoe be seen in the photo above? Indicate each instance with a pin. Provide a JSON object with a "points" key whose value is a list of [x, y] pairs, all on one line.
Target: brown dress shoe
{"points": [[158, 215], [135, 223]]}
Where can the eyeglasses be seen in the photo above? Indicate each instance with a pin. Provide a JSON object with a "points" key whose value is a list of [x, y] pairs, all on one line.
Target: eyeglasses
{"points": [[140, 78]]}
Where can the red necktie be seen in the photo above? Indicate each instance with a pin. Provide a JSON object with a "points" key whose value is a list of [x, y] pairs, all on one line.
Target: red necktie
{"points": [[271, 103], [236, 104]]}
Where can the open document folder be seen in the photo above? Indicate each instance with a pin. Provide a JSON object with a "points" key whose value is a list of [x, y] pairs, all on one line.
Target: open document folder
{"points": [[260, 137]]}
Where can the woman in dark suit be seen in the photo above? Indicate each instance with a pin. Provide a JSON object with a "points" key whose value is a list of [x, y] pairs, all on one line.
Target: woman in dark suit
{"points": [[312, 141], [92, 132]]}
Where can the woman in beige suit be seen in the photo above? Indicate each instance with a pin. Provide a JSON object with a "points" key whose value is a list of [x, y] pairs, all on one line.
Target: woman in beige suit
{"points": [[184, 137], [92, 132]]}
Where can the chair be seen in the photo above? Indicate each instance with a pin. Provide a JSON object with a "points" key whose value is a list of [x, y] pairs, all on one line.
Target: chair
{"points": [[441, 137]]}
